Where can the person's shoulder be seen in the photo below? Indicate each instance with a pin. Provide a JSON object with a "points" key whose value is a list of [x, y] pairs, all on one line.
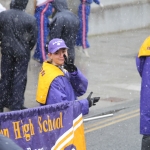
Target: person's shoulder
{"points": [[58, 81], [30, 17], [5, 14], [59, 78], [69, 14]]}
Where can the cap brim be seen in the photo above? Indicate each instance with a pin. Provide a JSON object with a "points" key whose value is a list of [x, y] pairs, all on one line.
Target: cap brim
{"points": [[57, 48]]}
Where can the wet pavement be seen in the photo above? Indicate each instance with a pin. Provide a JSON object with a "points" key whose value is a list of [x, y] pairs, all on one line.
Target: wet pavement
{"points": [[110, 69]]}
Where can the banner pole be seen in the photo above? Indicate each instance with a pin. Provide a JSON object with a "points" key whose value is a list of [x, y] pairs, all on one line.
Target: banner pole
{"points": [[99, 117]]}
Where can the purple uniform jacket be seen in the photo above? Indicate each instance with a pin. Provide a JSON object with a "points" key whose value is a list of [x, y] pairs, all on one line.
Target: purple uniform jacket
{"points": [[68, 88], [143, 66]]}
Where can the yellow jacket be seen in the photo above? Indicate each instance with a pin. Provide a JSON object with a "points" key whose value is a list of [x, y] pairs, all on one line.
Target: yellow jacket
{"points": [[145, 48], [47, 74]]}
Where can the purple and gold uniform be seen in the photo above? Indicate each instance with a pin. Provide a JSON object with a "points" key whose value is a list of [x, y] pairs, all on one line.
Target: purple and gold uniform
{"points": [[56, 85], [143, 66]]}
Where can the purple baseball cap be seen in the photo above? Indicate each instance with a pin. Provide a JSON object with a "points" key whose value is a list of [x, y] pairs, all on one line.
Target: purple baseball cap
{"points": [[56, 44]]}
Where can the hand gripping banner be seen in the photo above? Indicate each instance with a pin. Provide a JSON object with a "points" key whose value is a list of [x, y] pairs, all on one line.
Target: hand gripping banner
{"points": [[51, 127]]}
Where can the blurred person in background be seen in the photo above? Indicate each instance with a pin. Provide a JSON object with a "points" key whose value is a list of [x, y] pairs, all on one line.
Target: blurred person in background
{"points": [[143, 67], [18, 34], [83, 14], [43, 9], [64, 25]]}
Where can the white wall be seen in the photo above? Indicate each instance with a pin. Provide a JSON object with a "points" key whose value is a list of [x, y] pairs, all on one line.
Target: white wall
{"points": [[117, 18]]}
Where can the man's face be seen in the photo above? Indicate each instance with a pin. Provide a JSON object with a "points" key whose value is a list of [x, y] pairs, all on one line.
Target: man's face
{"points": [[58, 57]]}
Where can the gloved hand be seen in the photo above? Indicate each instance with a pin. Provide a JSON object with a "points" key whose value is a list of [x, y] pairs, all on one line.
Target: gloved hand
{"points": [[68, 66], [92, 101]]}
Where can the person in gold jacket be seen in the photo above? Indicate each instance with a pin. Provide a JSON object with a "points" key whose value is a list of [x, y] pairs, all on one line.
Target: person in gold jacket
{"points": [[60, 81], [143, 67]]}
